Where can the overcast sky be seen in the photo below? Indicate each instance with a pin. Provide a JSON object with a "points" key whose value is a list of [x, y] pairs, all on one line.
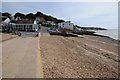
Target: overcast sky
{"points": [[103, 14]]}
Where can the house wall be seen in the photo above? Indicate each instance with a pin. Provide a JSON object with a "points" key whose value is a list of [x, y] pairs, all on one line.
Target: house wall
{"points": [[65, 25], [26, 27]]}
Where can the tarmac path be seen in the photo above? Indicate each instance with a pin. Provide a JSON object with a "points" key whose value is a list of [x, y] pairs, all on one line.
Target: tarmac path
{"points": [[21, 58]]}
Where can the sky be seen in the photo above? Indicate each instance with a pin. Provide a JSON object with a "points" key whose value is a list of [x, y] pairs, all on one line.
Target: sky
{"points": [[101, 14]]}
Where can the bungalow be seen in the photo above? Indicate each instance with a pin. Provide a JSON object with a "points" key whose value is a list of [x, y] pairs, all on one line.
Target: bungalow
{"points": [[26, 26], [20, 25]]}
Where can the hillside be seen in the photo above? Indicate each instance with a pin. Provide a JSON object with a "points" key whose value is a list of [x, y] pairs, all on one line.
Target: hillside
{"points": [[30, 17]]}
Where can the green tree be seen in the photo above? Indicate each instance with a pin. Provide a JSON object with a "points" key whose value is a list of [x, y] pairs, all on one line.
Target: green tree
{"points": [[6, 14], [39, 14], [22, 16], [30, 16]]}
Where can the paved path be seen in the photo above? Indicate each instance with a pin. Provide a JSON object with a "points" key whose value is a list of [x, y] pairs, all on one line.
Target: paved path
{"points": [[44, 31], [21, 58]]}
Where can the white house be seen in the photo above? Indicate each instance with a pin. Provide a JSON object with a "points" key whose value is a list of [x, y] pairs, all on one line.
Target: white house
{"points": [[5, 21], [26, 26], [50, 22], [65, 25]]}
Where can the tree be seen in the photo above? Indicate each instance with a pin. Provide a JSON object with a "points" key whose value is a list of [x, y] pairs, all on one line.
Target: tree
{"points": [[39, 14], [60, 20], [30, 16], [22, 16], [6, 14]]}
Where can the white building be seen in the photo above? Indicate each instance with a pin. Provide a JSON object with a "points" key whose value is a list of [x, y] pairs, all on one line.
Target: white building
{"points": [[26, 26], [65, 25], [50, 22], [4, 22], [7, 20]]}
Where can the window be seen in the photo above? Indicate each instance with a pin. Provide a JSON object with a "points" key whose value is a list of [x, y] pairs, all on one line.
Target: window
{"points": [[23, 27]]}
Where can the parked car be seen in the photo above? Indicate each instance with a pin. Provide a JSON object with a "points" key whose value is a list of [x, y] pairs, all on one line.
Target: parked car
{"points": [[54, 31]]}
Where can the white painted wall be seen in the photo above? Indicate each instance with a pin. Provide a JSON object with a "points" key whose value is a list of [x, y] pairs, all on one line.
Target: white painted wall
{"points": [[65, 25], [7, 20], [35, 22]]}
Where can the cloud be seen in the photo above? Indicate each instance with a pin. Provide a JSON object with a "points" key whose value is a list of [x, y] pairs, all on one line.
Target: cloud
{"points": [[61, 1], [82, 13], [98, 14]]}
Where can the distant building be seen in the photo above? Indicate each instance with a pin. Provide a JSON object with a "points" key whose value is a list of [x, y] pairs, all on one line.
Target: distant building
{"points": [[65, 25], [17, 18], [51, 23], [28, 26], [20, 25], [4, 22], [77, 29], [12, 18], [5, 19]]}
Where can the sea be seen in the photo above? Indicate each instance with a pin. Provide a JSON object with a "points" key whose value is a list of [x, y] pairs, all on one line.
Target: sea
{"points": [[112, 33]]}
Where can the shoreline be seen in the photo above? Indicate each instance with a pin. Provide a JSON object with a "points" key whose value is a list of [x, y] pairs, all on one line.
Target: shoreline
{"points": [[112, 33], [100, 35], [104, 38]]}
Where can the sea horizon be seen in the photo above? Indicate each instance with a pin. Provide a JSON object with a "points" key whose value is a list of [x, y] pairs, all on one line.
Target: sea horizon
{"points": [[112, 33]]}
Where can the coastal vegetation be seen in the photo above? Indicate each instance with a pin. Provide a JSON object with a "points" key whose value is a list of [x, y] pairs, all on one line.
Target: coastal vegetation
{"points": [[90, 28], [31, 16], [44, 17]]}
